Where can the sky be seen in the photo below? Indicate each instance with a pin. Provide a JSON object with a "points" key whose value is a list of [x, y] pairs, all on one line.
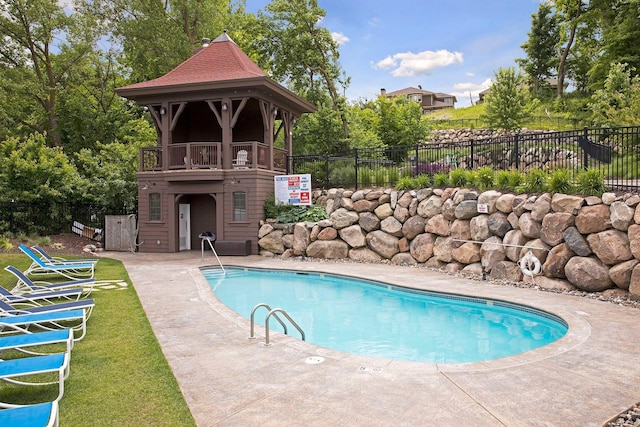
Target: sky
{"points": [[448, 46]]}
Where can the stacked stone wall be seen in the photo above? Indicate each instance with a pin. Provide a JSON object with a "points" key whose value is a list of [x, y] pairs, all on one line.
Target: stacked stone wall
{"points": [[586, 243]]}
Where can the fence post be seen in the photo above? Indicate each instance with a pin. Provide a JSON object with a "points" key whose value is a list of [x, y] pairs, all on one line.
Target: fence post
{"points": [[471, 152], [586, 155], [355, 159], [516, 150], [11, 217], [326, 169]]}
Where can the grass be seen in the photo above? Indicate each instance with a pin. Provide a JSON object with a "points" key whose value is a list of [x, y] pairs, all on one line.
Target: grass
{"points": [[119, 375]]}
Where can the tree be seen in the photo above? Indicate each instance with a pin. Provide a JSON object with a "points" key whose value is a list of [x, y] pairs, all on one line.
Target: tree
{"points": [[319, 133], [41, 44], [30, 171], [302, 54], [570, 15], [618, 103], [507, 105], [540, 47]]}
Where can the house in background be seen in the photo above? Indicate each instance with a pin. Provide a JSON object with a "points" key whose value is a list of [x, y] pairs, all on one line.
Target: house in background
{"points": [[430, 101], [218, 117]]}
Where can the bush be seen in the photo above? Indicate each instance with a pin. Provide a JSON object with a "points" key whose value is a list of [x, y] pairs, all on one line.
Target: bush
{"points": [[405, 183], [535, 181], [440, 179], [458, 178], [422, 181], [484, 178], [561, 181], [296, 214], [590, 183]]}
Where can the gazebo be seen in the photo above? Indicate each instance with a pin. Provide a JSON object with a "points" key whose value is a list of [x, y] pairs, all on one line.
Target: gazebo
{"points": [[224, 131]]}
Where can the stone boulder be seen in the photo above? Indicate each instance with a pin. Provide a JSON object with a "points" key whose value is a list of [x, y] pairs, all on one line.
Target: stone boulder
{"points": [[621, 274], [576, 241], [634, 240], [365, 205], [541, 207], [553, 227], [504, 203], [551, 284], [438, 225], [461, 229], [479, 228], [467, 209], [384, 244], [513, 240], [342, 218], [588, 274], [353, 236], [498, 224], [300, 239], [413, 226], [328, 233], [610, 246], [442, 249], [529, 227], [506, 270], [401, 214], [272, 242], [264, 230], [490, 199], [566, 203], [621, 216], [467, 253], [364, 255], [383, 211], [492, 252], [557, 260], [333, 249], [634, 285], [430, 207], [392, 226], [593, 219], [421, 248], [404, 258], [369, 221], [449, 210]]}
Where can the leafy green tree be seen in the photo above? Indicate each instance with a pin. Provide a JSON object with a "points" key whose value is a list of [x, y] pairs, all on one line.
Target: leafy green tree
{"points": [[618, 103], [41, 44], [570, 17], [508, 105], [319, 133], [364, 123], [400, 121], [30, 171], [540, 48], [299, 52]]}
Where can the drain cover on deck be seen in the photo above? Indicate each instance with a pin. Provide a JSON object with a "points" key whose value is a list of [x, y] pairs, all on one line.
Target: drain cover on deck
{"points": [[314, 360]]}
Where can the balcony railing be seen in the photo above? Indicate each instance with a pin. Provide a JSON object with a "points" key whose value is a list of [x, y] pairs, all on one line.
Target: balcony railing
{"points": [[209, 155]]}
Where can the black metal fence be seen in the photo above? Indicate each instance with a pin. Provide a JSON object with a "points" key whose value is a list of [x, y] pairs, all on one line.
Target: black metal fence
{"points": [[51, 218], [614, 151]]}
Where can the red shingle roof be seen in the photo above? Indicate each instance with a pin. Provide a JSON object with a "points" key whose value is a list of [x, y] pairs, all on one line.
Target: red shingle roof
{"points": [[221, 60]]}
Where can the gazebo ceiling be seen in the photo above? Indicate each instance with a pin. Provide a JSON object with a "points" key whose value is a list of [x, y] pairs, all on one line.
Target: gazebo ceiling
{"points": [[218, 70]]}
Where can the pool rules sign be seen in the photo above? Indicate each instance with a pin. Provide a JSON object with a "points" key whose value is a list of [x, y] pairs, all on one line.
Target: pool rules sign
{"points": [[293, 189]]}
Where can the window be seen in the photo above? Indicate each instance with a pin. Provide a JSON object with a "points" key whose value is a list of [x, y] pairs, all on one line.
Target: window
{"points": [[239, 206], [155, 207]]}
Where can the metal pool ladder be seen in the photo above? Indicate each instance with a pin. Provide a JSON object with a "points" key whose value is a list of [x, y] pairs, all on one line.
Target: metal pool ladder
{"points": [[272, 312]]}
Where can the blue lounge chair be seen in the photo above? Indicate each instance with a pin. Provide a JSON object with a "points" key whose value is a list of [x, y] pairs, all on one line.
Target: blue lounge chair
{"points": [[7, 309], [23, 340], [37, 298], [15, 371], [70, 270], [44, 256], [46, 321], [38, 415], [26, 285]]}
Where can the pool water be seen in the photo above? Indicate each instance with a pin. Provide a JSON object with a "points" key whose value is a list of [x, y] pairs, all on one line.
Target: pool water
{"points": [[380, 320]]}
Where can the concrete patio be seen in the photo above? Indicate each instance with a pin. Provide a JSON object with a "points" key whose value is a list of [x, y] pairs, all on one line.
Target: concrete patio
{"points": [[584, 379]]}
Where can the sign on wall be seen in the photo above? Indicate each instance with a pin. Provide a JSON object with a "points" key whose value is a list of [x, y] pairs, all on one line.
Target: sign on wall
{"points": [[293, 189]]}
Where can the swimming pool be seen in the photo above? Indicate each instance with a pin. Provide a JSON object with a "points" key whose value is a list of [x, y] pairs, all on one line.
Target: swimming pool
{"points": [[380, 320]]}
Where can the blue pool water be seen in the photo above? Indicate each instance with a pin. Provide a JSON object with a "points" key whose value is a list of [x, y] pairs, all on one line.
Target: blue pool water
{"points": [[375, 319]]}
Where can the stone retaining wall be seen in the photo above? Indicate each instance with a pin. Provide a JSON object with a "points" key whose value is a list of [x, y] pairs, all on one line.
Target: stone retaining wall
{"points": [[586, 243]]}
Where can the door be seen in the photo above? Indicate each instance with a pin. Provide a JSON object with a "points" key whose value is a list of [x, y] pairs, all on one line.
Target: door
{"points": [[184, 213]]}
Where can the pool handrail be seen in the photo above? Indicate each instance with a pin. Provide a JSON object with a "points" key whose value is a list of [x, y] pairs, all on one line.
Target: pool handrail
{"points": [[266, 324], [253, 312]]}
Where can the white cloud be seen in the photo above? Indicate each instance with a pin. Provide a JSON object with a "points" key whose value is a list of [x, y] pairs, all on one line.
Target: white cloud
{"points": [[409, 64], [469, 74], [339, 38], [374, 22]]}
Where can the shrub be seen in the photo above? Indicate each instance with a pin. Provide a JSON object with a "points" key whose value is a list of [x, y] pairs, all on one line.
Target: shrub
{"points": [[392, 175], [590, 183], [5, 244], [342, 176], [405, 183], [440, 179], [458, 178], [422, 181], [535, 181], [561, 181], [484, 178]]}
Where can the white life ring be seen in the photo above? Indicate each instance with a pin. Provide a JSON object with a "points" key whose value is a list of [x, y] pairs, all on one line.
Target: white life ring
{"points": [[530, 265]]}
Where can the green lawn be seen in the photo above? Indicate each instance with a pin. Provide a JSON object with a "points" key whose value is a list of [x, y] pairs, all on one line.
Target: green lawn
{"points": [[119, 376]]}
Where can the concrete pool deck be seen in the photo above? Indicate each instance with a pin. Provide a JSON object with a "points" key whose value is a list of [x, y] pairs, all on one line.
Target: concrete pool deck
{"points": [[584, 379]]}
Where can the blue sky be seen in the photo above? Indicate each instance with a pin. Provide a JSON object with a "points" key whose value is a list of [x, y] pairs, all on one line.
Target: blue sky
{"points": [[449, 46]]}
